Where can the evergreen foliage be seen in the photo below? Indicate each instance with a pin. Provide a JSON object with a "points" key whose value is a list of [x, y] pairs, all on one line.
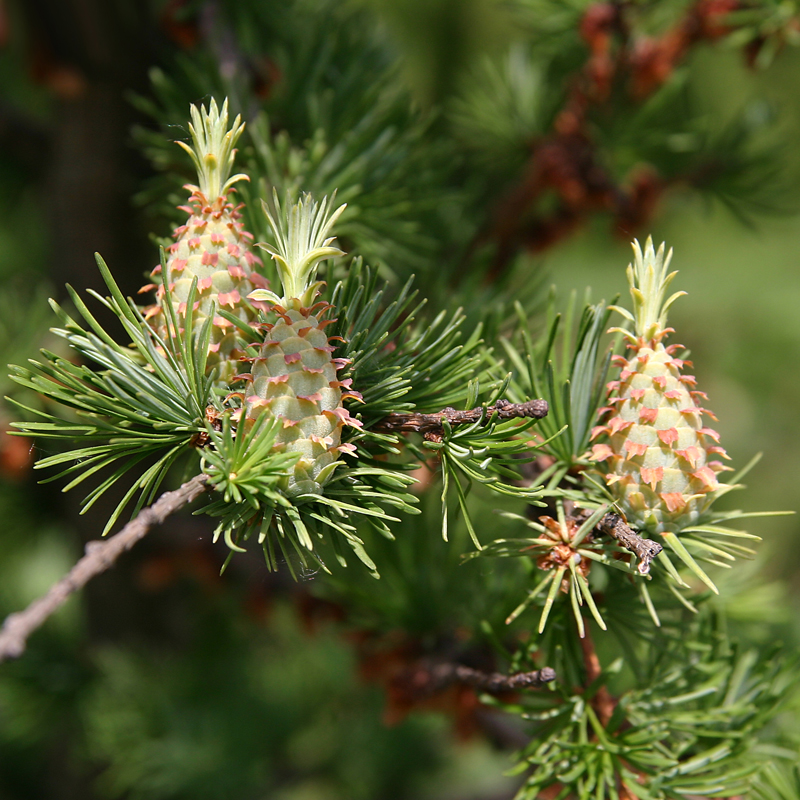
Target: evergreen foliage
{"points": [[479, 525]]}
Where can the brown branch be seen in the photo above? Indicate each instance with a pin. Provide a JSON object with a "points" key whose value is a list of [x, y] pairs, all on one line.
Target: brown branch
{"points": [[425, 679], [99, 557], [494, 682], [431, 424], [567, 166], [644, 549]]}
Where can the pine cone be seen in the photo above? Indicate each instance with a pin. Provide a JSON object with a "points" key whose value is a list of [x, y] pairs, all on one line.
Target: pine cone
{"points": [[663, 461], [212, 246], [293, 377]]}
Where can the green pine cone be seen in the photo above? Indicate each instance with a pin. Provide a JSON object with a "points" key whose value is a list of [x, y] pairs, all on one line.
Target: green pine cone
{"points": [[294, 375], [294, 378], [662, 460], [212, 247]]}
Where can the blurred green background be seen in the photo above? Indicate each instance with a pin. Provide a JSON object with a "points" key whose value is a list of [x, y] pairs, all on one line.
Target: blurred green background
{"points": [[163, 680]]}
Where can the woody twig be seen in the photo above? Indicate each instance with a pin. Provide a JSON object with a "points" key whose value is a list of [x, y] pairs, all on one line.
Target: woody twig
{"points": [[426, 679], [494, 682], [644, 549], [431, 425], [99, 557]]}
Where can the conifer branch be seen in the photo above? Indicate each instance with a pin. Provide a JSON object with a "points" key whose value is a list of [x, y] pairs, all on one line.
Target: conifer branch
{"points": [[431, 424], [568, 165], [494, 682], [617, 528], [425, 679], [100, 555]]}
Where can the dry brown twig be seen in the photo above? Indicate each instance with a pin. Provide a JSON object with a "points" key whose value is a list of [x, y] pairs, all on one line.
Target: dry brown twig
{"points": [[644, 549], [615, 526], [431, 427], [491, 682], [426, 678], [100, 555], [431, 424]]}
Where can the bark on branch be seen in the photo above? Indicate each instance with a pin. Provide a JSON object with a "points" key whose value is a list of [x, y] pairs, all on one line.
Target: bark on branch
{"points": [[100, 555], [431, 424], [426, 679], [644, 549], [494, 682]]}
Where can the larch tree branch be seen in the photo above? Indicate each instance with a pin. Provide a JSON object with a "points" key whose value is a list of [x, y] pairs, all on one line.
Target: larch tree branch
{"points": [[494, 682], [644, 549], [100, 555], [615, 526], [431, 424], [427, 678]]}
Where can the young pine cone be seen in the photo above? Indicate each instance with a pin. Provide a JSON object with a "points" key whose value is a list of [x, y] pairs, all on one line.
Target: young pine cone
{"points": [[293, 376], [663, 462], [212, 246]]}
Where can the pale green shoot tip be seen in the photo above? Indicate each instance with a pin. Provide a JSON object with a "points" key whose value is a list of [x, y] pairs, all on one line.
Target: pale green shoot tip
{"points": [[301, 243], [649, 279], [213, 148]]}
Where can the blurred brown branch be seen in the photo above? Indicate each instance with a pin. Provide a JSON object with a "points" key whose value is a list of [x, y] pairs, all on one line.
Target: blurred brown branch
{"points": [[492, 682], [99, 557], [569, 162]]}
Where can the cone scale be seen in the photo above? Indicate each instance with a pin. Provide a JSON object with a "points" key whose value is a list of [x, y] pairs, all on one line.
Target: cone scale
{"points": [[662, 461]]}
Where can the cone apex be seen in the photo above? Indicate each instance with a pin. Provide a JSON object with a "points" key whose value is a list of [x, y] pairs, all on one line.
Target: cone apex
{"points": [[649, 279], [213, 148], [301, 243]]}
